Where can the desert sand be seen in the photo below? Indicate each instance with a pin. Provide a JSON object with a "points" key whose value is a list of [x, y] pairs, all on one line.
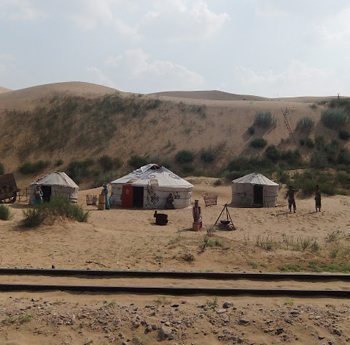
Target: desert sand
{"points": [[129, 239], [265, 239]]}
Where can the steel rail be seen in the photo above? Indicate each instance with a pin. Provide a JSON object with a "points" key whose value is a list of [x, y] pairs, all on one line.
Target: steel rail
{"points": [[176, 291], [174, 274]]}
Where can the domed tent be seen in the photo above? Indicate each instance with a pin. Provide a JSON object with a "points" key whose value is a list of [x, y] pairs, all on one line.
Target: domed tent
{"points": [[254, 190], [149, 187], [55, 184]]}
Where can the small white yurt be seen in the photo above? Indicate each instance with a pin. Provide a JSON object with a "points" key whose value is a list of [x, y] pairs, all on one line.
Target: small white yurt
{"points": [[55, 184], [149, 187], [254, 190]]}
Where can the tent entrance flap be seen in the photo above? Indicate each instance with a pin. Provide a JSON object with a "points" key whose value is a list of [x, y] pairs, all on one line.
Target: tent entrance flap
{"points": [[258, 195], [46, 193], [138, 197], [127, 196]]}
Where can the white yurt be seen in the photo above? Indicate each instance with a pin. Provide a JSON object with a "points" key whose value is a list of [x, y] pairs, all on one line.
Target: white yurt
{"points": [[254, 190], [55, 184], [149, 187]]}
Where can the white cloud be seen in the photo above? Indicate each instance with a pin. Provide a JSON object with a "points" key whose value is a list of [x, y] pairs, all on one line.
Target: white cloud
{"points": [[181, 20], [138, 71], [174, 20], [269, 9], [295, 80], [19, 10], [336, 29], [93, 13], [99, 77]]}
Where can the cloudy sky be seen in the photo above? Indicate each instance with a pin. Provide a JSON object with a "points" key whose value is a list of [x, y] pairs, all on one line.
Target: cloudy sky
{"points": [[263, 47]]}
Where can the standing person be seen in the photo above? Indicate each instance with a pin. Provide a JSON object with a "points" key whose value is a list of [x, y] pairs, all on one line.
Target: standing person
{"points": [[105, 193], [169, 203], [291, 199], [318, 198], [197, 216], [38, 195]]}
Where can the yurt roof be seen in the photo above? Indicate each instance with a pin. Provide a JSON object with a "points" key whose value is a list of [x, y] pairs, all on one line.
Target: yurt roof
{"points": [[255, 178], [153, 174], [56, 179]]}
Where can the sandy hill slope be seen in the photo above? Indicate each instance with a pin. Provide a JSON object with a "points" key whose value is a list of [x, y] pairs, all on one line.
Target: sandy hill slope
{"points": [[78, 123], [25, 97], [4, 89], [207, 95]]}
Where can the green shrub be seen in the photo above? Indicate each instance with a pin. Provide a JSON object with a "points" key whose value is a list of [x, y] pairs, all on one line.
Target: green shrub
{"points": [[78, 170], [307, 181], [292, 158], [309, 143], [328, 188], [343, 134], [62, 207], [2, 169], [251, 130], [319, 143], [305, 125], [318, 159], [272, 153], [184, 157], [302, 142], [189, 169], [332, 150], [106, 163], [4, 212], [343, 157], [258, 143], [58, 207], [240, 166], [208, 155], [32, 218], [334, 118], [136, 161], [343, 179], [264, 119], [59, 162], [343, 103], [29, 168]]}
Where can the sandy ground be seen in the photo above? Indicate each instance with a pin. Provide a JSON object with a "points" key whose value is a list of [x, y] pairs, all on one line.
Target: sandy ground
{"points": [[129, 239], [64, 319], [265, 239]]}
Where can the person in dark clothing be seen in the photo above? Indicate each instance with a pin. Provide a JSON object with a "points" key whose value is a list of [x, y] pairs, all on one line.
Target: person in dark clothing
{"points": [[318, 198], [105, 193], [291, 199], [169, 203]]}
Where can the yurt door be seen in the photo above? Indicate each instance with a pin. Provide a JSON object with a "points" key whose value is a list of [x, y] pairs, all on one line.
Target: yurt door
{"points": [[138, 197], [46, 193], [258, 195], [127, 196]]}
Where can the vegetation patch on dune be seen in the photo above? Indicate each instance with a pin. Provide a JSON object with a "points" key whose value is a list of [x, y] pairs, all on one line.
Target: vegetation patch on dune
{"points": [[55, 209]]}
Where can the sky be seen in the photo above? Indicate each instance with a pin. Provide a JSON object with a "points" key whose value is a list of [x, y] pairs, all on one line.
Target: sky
{"points": [[270, 48]]}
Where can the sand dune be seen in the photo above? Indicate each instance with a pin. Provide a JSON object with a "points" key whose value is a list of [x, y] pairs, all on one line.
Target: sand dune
{"points": [[24, 97], [4, 89], [208, 95]]}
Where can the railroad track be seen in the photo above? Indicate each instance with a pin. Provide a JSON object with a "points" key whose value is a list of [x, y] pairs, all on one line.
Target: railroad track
{"points": [[176, 283]]}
